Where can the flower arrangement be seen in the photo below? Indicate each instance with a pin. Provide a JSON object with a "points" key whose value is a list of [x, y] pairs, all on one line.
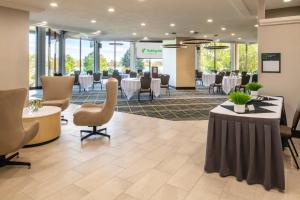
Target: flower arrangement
{"points": [[34, 105]]}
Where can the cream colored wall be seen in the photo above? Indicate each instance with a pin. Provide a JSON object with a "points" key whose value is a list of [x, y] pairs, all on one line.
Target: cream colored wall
{"points": [[284, 39], [14, 29], [169, 62]]}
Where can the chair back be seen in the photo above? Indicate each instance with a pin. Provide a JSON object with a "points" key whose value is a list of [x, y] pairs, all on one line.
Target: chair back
{"points": [[97, 76], [105, 73], [76, 78], [219, 79], [227, 73], [89, 72], [296, 119], [165, 78], [245, 79], [214, 71], [199, 74], [127, 71], [57, 88], [145, 83], [57, 74], [255, 78], [147, 74], [244, 73], [115, 73], [11, 131], [110, 101], [133, 74]]}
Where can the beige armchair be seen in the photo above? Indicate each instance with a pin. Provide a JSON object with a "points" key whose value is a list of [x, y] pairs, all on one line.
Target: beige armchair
{"points": [[57, 91], [94, 115], [14, 134]]}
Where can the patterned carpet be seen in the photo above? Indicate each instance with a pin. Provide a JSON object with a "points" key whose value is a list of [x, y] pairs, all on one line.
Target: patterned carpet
{"points": [[180, 106]]}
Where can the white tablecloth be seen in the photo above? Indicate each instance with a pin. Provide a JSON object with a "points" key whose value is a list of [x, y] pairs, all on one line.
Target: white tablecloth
{"points": [[229, 83], [208, 79], [132, 85], [86, 81]]}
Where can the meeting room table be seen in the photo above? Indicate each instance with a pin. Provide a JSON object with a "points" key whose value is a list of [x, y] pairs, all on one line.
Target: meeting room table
{"points": [[230, 82], [247, 146], [131, 86], [208, 79], [86, 81]]}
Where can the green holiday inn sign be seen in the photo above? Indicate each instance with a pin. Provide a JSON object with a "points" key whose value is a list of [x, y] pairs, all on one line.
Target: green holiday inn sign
{"points": [[151, 51]]}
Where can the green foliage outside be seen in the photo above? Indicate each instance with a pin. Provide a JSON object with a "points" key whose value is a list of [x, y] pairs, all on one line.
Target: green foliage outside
{"points": [[239, 98], [139, 65], [252, 58]]}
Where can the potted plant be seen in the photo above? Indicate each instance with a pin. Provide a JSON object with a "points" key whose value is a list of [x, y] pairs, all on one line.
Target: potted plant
{"points": [[254, 87], [240, 100]]}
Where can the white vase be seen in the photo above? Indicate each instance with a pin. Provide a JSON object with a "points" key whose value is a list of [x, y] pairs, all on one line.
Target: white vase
{"points": [[239, 108], [254, 94]]}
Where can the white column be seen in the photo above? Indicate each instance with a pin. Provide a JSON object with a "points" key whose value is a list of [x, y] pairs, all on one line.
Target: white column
{"points": [[132, 56], [232, 56]]}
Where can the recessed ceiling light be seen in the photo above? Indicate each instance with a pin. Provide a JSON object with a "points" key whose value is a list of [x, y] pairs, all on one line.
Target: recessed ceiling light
{"points": [[232, 34], [210, 20], [167, 34], [239, 38], [286, 1], [145, 38], [111, 10], [143, 24], [217, 40], [256, 25], [192, 31], [223, 28], [93, 21], [54, 4], [205, 36], [44, 22], [134, 34], [172, 25]]}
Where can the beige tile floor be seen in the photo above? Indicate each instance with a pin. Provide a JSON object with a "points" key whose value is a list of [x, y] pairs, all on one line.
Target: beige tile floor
{"points": [[147, 158]]}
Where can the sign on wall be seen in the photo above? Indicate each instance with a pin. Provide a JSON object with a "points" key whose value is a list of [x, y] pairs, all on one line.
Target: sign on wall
{"points": [[271, 62], [147, 50]]}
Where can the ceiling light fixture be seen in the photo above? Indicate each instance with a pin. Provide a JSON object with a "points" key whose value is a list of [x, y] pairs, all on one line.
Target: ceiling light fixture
{"points": [[172, 25], [111, 10], [239, 38], [145, 38], [134, 34], [192, 31], [54, 4], [167, 34], [205, 36], [210, 20], [197, 41], [256, 25], [232, 34], [223, 28], [286, 1], [143, 24], [174, 46], [93, 21], [217, 40]]}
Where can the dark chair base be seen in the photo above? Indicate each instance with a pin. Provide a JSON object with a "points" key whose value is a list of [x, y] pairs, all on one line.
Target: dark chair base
{"points": [[97, 83], [167, 87], [286, 143], [239, 87], [64, 120], [150, 94], [7, 161], [94, 132], [219, 88]]}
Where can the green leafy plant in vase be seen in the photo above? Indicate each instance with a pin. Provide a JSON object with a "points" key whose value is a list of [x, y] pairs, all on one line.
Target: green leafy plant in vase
{"points": [[34, 105], [240, 100], [254, 87]]}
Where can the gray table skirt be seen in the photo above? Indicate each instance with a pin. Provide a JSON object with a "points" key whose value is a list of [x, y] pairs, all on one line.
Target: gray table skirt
{"points": [[247, 148]]}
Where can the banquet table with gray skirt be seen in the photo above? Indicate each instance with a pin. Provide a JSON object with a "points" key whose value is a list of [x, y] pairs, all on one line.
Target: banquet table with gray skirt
{"points": [[247, 146]]}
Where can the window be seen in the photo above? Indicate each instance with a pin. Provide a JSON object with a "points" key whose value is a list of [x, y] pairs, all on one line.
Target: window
{"points": [[52, 52], [248, 57], [87, 55], [32, 57], [218, 59], [72, 59]]}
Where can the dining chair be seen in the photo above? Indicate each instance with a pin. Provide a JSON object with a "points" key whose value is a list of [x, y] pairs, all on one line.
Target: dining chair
{"points": [[217, 84], [199, 76], [165, 78], [145, 87], [244, 82], [287, 133], [132, 74], [255, 78], [76, 80], [97, 79], [119, 78]]}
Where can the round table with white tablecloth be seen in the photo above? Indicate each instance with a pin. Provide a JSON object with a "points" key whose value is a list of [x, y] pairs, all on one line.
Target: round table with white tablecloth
{"points": [[229, 83], [86, 81], [208, 79], [132, 85]]}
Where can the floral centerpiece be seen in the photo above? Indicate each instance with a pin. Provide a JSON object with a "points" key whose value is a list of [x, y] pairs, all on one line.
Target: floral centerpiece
{"points": [[34, 105], [254, 87], [240, 100]]}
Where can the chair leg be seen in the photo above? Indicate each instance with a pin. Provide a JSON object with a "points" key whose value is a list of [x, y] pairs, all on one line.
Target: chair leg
{"points": [[63, 119], [294, 147], [169, 91], [94, 132], [288, 144], [7, 161], [139, 96]]}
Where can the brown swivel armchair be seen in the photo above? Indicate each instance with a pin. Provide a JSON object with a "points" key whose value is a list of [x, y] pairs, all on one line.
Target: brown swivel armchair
{"points": [[93, 115], [57, 91], [14, 134]]}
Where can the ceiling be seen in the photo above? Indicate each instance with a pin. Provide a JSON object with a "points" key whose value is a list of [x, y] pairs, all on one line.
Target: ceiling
{"points": [[238, 16], [275, 4]]}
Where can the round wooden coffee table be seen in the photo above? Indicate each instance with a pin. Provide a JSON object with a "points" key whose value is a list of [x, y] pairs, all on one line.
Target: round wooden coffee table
{"points": [[49, 124]]}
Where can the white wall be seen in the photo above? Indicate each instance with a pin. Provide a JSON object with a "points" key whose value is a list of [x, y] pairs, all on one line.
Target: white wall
{"points": [[169, 62], [284, 39], [14, 64]]}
